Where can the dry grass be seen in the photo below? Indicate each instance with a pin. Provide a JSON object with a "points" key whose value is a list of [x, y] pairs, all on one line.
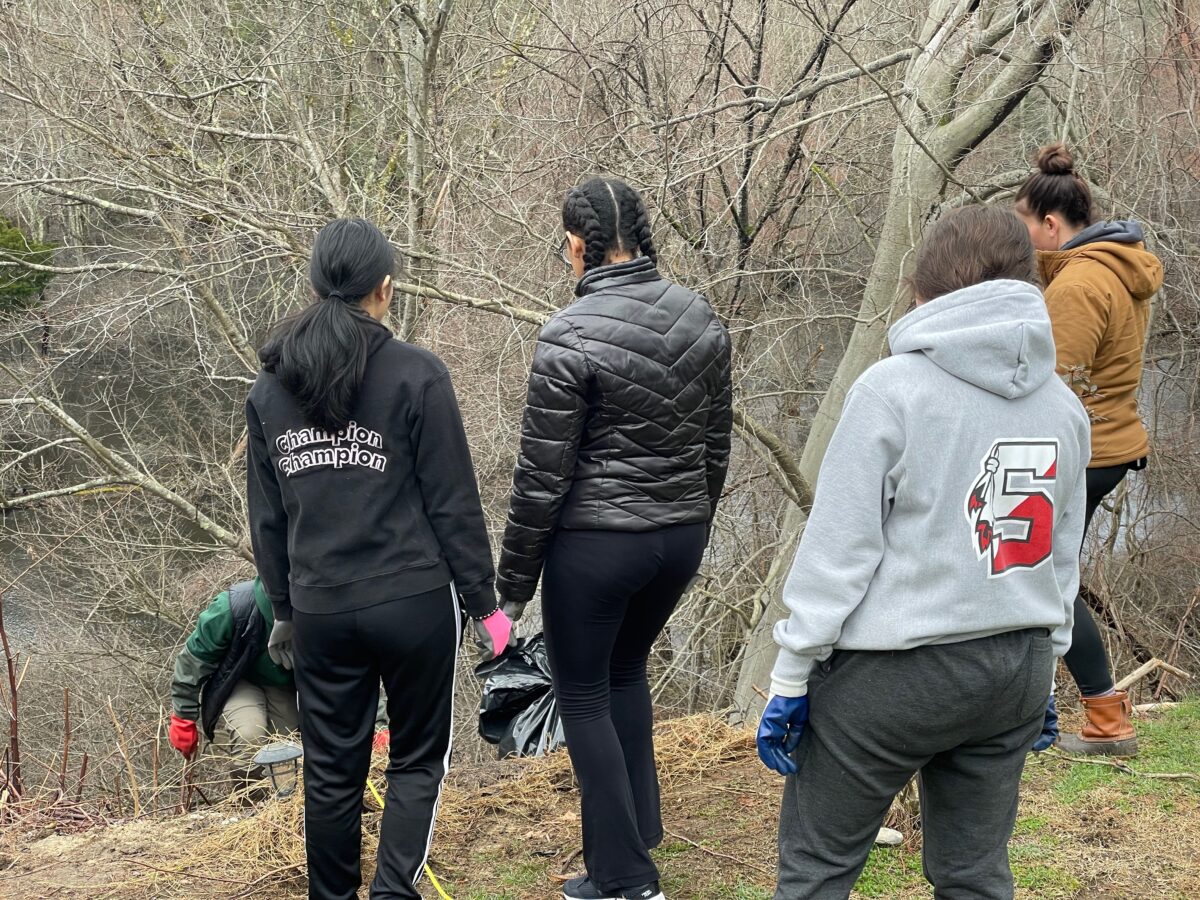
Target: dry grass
{"points": [[511, 830]]}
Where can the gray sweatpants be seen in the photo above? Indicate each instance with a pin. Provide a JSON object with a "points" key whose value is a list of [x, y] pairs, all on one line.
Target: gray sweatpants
{"points": [[963, 716]]}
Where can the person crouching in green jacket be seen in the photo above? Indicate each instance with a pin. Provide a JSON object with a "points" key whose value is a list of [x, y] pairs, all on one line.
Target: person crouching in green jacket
{"points": [[228, 682]]}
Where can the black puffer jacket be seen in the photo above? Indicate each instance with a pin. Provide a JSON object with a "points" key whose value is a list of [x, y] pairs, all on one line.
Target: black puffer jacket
{"points": [[628, 418]]}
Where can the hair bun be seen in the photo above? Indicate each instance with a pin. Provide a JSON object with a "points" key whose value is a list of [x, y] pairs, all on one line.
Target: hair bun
{"points": [[1054, 159]]}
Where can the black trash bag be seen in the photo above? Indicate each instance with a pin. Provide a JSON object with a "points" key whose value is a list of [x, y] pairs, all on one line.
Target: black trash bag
{"points": [[518, 711]]}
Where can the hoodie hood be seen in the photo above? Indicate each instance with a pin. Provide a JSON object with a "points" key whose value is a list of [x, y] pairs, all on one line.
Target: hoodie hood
{"points": [[995, 335], [1118, 247], [1118, 232]]}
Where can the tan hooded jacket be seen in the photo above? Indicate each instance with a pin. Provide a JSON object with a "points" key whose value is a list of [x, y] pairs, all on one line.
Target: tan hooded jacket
{"points": [[1098, 296]]}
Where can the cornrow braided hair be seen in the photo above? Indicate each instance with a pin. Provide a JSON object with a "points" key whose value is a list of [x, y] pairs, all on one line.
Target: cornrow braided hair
{"points": [[609, 215], [581, 217], [636, 224]]}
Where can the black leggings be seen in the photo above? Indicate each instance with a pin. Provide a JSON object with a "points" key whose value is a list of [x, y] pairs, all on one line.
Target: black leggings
{"points": [[1087, 659], [606, 596]]}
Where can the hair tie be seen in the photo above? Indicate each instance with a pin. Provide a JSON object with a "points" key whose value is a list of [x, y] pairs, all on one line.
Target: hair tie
{"points": [[336, 295]]}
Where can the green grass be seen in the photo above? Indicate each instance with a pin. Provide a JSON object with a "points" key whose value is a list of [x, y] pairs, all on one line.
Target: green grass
{"points": [[744, 892], [1031, 825], [1044, 863], [1082, 779], [513, 878], [1168, 744], [888, 872], [671, 849], [1047, 881]]}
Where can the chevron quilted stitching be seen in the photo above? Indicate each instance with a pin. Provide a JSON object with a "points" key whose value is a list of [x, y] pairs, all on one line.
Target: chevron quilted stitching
{"points": [[653, 362]]}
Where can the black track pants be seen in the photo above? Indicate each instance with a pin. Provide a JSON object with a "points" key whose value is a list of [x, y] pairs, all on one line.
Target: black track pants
{"points": [[606, 596], [1087, 659], [411, 643]]}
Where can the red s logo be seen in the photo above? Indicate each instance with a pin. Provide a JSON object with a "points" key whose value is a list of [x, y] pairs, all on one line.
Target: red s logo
{"points": [[1011, 505]]}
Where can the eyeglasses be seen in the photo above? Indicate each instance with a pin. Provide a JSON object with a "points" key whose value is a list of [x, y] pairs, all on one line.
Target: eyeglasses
{"points": [[562, 252]]}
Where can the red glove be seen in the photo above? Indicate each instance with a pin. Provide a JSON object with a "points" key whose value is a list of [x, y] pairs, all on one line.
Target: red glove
{"points": [[382, 741], [183, 736]]}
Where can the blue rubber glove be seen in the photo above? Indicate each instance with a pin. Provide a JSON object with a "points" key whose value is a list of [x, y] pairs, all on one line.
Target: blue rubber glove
{"points": [[779, 732], [1049, 728]]}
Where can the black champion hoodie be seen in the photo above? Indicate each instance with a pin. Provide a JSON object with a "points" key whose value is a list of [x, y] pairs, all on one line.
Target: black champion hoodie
{"points": [[387, 507]]}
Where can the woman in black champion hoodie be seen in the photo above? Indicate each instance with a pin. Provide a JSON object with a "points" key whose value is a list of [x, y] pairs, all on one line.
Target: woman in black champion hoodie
{"points": [[365, 521]]}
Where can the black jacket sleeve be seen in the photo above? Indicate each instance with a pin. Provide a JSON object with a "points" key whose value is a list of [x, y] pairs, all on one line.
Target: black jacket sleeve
{"points": [[555, 413], [450, 493], [720, 426], [268, 518]]}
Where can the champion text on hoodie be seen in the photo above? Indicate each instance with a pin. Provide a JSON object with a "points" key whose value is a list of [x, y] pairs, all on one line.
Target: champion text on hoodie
{"points": [[950, 502]]}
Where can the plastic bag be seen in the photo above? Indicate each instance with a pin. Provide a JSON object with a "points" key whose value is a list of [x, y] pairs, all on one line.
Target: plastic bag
{"points": [[518, 711]]}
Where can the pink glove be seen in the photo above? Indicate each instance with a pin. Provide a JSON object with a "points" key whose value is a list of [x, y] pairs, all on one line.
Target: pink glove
{"points": [[492, 634]]}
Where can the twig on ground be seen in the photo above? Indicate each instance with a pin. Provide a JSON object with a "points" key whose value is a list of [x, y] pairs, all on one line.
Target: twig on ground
{"points": [[186, 874], [745, 864], [1125, 768]]}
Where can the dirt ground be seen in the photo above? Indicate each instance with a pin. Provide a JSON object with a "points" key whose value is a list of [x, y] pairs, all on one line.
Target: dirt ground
{"points": [[511, 832]]}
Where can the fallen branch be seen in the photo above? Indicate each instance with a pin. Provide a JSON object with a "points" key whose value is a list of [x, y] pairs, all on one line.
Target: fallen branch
{"points": [[1125, 768], [187, 874], [740, 862], [1145, 669], [1143, 708]]}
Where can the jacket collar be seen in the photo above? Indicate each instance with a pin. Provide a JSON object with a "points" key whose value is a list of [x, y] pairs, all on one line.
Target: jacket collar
{"points": [[633, 271], [1051, 262]]}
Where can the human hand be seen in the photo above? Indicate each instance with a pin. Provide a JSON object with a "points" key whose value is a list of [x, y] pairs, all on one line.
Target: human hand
{"points": [[183, 736], [492, 634], [1049, 733], [279, 644], [382, 741], [779, 732]]}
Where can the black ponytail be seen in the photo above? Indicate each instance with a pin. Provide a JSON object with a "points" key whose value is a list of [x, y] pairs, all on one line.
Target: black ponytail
{"points": [[320, 353], [609, 215]]}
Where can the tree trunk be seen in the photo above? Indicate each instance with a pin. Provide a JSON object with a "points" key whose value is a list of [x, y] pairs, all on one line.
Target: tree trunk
{"points": [[932, 137], [915, 190], [420, 66]]}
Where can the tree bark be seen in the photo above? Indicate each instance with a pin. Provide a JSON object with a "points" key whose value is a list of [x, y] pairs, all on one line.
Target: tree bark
{"points": [[930, 143]]}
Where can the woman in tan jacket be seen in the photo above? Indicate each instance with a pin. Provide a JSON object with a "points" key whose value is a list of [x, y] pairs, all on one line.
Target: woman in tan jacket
{"points": [[1098, 279]]}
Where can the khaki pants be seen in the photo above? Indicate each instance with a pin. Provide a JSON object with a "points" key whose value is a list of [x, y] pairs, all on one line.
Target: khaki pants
{"points": [[251, 716]]}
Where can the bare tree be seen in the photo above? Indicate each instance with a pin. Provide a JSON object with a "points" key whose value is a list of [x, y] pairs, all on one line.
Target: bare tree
{"points": [[793, 152]]}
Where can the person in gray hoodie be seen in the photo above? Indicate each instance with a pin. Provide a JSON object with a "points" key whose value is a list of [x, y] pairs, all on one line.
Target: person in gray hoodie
{"points": [[933, 587]]}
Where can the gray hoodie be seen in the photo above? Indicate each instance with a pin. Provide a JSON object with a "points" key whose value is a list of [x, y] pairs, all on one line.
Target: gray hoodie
{"points": [[950, 501]]}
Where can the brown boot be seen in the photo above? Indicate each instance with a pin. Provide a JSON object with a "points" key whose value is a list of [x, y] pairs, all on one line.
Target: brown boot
{"points": [[1108, 731]]}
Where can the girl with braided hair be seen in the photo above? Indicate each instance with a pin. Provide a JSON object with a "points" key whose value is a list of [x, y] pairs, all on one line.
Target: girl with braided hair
{"points": [[624, 449]]}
